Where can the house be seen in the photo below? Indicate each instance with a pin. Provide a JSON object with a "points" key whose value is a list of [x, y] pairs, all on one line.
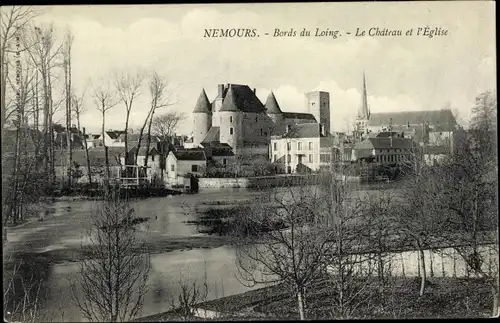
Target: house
{"points": [[76, 138], [238, 118], [154, 163], [110, 138], [183, 162], [97, 160], [219, 156], [433, 155], [384, 149], [189, 143], [304, 144]]}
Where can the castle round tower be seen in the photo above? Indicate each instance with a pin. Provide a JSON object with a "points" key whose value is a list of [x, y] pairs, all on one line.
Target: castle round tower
{"points": [[274, 112], [202, 118], [231, 126]]}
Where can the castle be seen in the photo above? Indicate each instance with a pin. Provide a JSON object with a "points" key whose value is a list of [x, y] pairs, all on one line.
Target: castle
{"points": [[238, 118]]}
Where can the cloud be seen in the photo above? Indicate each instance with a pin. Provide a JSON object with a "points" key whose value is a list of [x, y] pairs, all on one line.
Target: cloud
{"points": [[402, 74]]}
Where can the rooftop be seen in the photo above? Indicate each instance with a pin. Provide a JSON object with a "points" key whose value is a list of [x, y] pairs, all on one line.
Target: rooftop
{"points": [[189, 154], [443, 119], [241, 98]]}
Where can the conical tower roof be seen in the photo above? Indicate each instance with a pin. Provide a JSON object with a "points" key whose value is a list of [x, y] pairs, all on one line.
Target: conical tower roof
{"points": [[272, 106], [202, 105], [229, 103]]}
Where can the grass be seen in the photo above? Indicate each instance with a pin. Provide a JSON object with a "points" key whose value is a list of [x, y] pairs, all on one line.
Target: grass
{"points": [[444, 298]]}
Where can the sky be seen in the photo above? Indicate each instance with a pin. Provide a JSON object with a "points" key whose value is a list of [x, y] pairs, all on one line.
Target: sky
{"points": [[403, 73]]}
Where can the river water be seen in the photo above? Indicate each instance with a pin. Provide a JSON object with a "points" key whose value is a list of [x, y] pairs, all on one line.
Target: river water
{"points": [[64, 228]]}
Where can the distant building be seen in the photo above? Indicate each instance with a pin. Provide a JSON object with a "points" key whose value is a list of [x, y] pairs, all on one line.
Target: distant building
{"points": [[76, 138], [434, 127], [180, 163], [302, 147], [110, 138], [383, 149], [97, 160], [238, 118]]}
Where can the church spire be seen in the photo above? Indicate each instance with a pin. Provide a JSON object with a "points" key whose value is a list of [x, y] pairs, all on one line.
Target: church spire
{"points": [[363, 112]]}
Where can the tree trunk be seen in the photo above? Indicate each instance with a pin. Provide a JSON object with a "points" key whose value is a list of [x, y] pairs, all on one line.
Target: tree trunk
{"points": [[51, 134], [106, 158], [422, 261], [494, 292], [300, 303], [148, 141], [87, 156], [68, 121]]}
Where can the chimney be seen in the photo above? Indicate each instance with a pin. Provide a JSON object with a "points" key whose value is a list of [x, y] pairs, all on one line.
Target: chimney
{"points": [[220, 90], [254, 90]]}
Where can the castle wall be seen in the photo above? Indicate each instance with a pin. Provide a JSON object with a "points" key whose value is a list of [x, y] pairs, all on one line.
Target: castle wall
{"points": [[231, 120], [202, 122], [318, 104]]}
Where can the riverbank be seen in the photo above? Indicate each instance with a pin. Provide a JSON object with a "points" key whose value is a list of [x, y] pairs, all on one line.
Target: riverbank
{"points": [[443, 298]]}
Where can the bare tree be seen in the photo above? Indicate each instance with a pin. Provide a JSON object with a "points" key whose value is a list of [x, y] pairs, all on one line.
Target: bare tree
{"points": [[160, 98], [79, 108], [469, 192], [164, 125], [191, 294], [321, 235], [12, 19], [114, 270], [381, 232], [68, 42], [128, 86], [23, 304], [45, 54], [416, 217], [105, 100]]}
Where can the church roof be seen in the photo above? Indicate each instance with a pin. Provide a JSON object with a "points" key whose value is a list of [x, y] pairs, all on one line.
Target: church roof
{"points": [[202, 105], [272, 106], [364, 112], [442, 119], [241, 98], [212, 135]]}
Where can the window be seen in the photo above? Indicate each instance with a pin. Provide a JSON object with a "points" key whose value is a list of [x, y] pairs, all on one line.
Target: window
{"points": [[231, 119], [265, 133], [261, 131], [275, 158], [310, 158], [299, 146], [324, 158], [289, 158], [194, 168], [289, 146], [231, 130], [172, 167], [224, 161], [275, 146], [310, 145], [256, 119]]}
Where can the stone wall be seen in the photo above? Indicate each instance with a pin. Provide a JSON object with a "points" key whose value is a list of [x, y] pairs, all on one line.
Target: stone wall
{"points": [[256, 182]]}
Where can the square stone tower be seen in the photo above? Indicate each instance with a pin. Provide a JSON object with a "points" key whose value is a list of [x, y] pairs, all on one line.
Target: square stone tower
{"points": [[318, 104]]}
